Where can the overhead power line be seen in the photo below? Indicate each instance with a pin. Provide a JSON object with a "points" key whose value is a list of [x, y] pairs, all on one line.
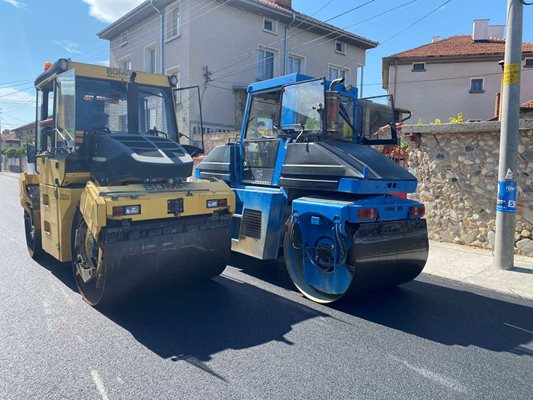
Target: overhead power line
{"points": [[253, 52], [416, 22], [321, 43]]}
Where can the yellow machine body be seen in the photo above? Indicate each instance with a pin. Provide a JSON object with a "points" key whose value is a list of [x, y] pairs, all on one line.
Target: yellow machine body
{"points": [[54, 197]]}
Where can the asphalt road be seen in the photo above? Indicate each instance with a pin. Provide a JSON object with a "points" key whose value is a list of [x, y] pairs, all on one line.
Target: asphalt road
{"points": [[249, 335]]}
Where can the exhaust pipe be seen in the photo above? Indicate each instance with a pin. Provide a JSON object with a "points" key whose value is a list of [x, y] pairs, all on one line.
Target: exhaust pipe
{"points": [[334, 83]]}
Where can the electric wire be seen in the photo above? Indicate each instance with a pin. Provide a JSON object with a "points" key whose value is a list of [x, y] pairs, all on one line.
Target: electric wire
{"points": [[404, 29], [349, 26], [416, 22], [253, 52]]}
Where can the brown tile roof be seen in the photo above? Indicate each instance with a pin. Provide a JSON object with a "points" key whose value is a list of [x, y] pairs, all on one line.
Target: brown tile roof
{"points": [[10, 137], [308, 19], [273, 4], [143, 10], [461, 45], [528, 105]]}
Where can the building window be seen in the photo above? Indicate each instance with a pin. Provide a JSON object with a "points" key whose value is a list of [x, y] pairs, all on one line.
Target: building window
{"points": [[125, 64], [477, 85], [295, 65], [270, 26], [173, 23], [150, 59], [340, 47], [124, 38], [265, 64], [528, 63], [336, 72], [419, 67]]}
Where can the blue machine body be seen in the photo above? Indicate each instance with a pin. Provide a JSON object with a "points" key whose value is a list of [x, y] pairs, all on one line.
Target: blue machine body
{"points": [[315, 194]]}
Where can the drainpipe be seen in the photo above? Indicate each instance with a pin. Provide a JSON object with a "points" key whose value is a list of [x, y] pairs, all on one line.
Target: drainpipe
{"points": [[287, 27], [362, 80], [161, 37], [395, 77]]}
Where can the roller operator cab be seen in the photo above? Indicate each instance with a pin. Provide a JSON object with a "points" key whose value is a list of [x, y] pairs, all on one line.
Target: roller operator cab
{"points": [[308, 180], [110, 193]]}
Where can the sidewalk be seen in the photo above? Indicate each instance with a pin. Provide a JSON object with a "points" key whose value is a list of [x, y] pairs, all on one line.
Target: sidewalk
{"points": [[473, 266], [10, 174]]}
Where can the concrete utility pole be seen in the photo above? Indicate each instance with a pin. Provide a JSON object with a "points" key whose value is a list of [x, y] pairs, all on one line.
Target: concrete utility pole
{"points": [[1, 158], [509, 139]]}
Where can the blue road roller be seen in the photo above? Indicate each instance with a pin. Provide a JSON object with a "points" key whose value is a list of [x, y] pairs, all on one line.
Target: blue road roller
{"points": [[312, 186]]}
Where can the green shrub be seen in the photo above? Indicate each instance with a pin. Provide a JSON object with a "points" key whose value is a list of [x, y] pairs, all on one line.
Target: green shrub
{"points": [[14, 152], [458, 120]]}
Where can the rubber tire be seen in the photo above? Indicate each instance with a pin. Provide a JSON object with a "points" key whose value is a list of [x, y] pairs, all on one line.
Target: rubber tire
{"points": [[106, 296], [34, 245]]}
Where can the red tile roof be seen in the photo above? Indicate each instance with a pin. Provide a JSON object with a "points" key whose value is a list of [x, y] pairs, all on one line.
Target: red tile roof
{"points": [[461, 45], [10, 137], [274, 4], [308, 19]]}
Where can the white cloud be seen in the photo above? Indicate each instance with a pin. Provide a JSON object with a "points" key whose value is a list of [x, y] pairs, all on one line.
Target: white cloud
{"points": [[13, 96], [16, 3], [105, 63], [68, 46], [109, 11]]}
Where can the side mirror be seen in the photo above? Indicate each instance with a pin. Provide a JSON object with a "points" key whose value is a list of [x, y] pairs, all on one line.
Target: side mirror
{"points": [[400, 112], [30, 153], [193, 151]]}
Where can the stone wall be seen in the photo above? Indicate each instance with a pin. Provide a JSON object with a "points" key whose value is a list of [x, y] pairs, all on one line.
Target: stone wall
{"points": [[212, 140], [457, 168]]}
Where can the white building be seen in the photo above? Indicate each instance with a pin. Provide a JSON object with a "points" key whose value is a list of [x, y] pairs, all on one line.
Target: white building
{"points": [[460, 74], [225, 45]]}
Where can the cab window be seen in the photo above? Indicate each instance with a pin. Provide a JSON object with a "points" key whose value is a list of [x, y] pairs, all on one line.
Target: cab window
{"points": [[263, 120]]}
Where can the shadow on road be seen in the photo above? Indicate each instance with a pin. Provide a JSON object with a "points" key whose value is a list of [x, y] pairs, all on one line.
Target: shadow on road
{"points": [[192, 324], [434, 312], [62, 271], [448, 316]]}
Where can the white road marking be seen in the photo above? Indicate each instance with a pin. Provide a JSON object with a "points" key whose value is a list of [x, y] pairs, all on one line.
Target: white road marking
{"points": [[99, 384], [440, 379], [517, 327]]}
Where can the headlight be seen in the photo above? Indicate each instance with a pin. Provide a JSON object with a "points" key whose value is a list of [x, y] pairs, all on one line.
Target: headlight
{"points": [[217, 203], [121, 211]]}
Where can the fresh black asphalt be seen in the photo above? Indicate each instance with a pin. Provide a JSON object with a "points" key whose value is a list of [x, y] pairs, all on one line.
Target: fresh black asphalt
{"points": [[249, 334]]}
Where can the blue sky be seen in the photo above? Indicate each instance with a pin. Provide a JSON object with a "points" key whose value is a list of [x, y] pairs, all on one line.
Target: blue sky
{"points": [[34, 31]]}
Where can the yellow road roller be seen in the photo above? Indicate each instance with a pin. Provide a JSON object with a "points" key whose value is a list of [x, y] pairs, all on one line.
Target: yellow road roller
{"points": [[110, 192]]}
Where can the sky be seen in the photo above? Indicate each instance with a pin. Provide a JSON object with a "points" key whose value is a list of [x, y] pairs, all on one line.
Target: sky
{"points": [[35, 31]]}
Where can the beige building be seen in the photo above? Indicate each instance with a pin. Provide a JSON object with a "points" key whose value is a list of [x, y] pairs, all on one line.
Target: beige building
{"points": [[223, 46], [460, 74], [25, 133]]}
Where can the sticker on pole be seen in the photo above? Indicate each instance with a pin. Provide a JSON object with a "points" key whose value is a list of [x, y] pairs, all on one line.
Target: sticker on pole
{"points": [[511, 74], [506, 197]]}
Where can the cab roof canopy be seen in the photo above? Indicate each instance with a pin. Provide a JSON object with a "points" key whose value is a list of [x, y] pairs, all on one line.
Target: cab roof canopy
{"points": [[100, 72]]}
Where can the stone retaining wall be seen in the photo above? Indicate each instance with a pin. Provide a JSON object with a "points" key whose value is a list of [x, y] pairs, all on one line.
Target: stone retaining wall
{"points": [[457, 168], [212, 140]]}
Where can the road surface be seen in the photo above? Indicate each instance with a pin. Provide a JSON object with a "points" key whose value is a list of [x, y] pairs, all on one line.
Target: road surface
{"points": [[249, 335]]}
